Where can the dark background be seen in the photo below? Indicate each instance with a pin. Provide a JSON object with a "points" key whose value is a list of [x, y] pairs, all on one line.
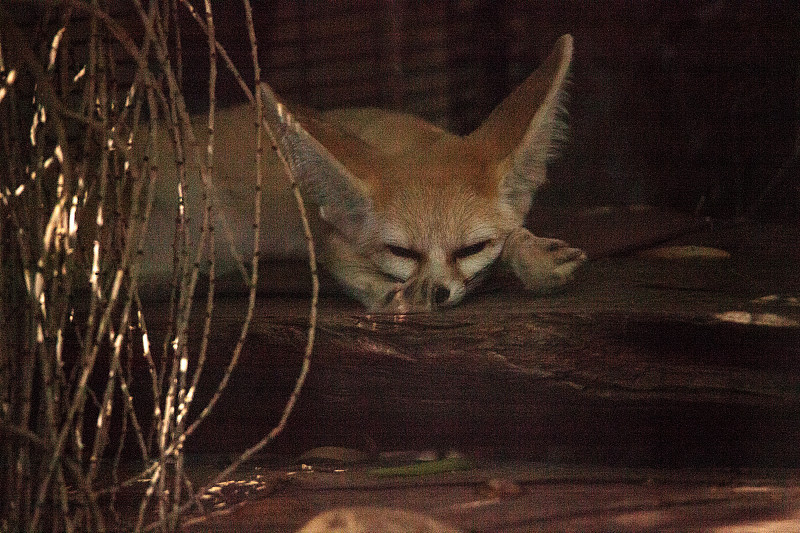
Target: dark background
{"points": [[691, 105]]}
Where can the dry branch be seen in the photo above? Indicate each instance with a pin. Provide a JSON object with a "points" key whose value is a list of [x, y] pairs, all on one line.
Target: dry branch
{"points": [[76, 208]]}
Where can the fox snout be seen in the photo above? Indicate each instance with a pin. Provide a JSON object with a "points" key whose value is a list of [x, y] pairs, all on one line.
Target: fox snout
{"points": [[435, 285]]}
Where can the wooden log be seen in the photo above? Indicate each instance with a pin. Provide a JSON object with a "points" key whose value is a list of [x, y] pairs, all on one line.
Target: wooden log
{"points": [[616, 370], [641, 362]]}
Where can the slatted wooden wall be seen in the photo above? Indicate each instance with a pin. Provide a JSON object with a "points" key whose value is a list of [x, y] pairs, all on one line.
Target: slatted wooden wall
{"points": [[684, 103], [691, 104]]}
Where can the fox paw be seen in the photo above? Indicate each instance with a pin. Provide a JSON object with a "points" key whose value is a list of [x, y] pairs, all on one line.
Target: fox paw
{"points": [[412, 296], [542, 265], [396, 301]]}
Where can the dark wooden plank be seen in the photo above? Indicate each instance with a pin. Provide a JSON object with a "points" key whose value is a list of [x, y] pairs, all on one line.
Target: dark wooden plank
{"points": [[545, 498]]}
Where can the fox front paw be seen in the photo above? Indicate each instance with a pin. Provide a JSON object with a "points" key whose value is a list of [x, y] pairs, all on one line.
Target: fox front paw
{"points": [[415, 296], [542, 265], [396, 301]]}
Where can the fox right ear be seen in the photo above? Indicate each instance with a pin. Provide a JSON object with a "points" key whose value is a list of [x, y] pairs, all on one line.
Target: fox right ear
{"points": [[343, 199], [521, 133]]}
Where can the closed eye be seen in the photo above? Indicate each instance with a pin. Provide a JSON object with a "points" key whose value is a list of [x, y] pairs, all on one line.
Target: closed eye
{"points": [[405, 253], [472, 249]]}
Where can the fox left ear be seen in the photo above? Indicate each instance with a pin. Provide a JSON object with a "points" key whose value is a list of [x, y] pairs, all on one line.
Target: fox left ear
{"points": [[521, 134], [323, 172]]}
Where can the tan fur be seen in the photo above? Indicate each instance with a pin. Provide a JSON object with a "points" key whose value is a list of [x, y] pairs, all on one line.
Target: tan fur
{"points": [[410, 216], [374, 520]]}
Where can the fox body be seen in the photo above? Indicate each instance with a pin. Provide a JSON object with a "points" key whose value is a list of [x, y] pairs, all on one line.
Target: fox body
{"points": [[410, 217]]}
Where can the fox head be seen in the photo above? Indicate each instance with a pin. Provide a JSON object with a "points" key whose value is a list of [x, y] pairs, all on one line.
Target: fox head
{"points": [[415, 215]]}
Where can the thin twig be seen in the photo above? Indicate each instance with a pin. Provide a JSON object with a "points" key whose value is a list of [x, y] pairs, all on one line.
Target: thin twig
{"points": [[222, 53]]}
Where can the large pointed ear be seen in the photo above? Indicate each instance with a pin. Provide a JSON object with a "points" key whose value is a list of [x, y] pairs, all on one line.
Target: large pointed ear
{"points": [[523, 131], [343, 199]]}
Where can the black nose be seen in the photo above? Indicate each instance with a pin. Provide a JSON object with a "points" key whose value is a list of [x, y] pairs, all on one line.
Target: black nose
{"points": [[441, 295]]}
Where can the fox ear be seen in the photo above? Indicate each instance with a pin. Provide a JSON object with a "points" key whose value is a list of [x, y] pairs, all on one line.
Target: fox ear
{"points": [[343, 199], [521, 134]]}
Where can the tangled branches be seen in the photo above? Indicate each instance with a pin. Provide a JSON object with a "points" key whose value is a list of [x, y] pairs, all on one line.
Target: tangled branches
{"points": [[80, 139]]}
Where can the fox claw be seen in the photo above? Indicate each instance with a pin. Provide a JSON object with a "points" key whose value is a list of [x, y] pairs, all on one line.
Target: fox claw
{"points": [[542, 265]]}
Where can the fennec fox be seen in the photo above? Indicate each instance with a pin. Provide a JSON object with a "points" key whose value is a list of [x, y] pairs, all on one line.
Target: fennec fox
{"points": [[410, 216]]}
